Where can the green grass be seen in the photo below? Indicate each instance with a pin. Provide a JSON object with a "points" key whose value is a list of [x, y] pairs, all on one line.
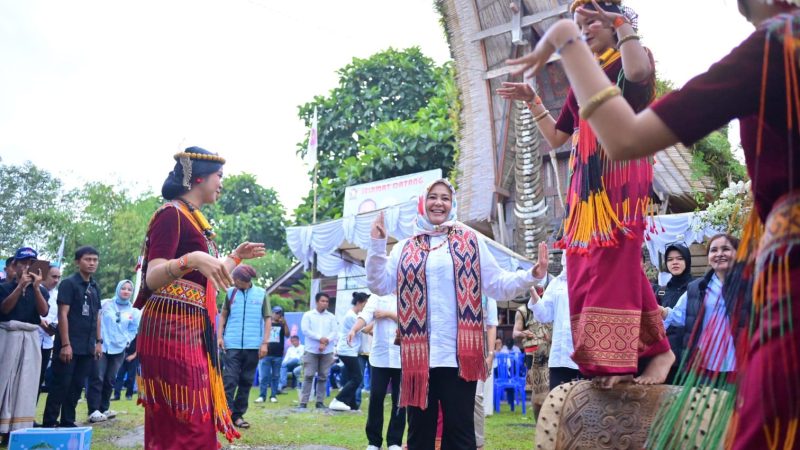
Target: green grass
{"points": [[280, 424]]}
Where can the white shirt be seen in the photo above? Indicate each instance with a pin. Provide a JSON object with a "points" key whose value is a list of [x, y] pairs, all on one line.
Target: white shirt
{"points": [[316, 325], [554, 307], [51, 317], [490, 313], [384, 353], [442, 308], [294, 353], [342, 347], [490, 320]]}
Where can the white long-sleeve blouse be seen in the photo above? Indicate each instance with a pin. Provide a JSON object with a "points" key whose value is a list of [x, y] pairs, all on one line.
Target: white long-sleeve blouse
{"points": [[442, 309]]}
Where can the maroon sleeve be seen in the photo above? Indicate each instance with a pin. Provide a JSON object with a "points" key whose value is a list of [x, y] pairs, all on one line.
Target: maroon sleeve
{"points": [[566, 120], [729, 89], [164, 234]]}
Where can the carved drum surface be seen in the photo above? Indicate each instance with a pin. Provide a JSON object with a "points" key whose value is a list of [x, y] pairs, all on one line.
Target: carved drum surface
{"points": [[578, 415]]}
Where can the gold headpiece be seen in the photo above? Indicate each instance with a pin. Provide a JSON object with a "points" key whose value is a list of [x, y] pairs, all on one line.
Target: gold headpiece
{"points": [[201, 156], [185, 158], [578, 3]]}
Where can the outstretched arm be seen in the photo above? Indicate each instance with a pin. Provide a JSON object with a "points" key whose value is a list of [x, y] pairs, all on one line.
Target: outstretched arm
{"points": [[546, 123], [623, 133]]}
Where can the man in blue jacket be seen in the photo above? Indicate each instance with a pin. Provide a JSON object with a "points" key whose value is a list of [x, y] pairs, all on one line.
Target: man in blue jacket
{"points": [[243, 335]]}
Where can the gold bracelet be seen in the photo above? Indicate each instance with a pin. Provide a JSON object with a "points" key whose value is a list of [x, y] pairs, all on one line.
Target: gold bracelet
{"points": [[542, 115], [630, 37], [169, 271], [597, 100]]}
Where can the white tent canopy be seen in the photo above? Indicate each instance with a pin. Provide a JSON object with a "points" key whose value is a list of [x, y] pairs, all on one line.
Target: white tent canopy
{"points": [[342, 243]]}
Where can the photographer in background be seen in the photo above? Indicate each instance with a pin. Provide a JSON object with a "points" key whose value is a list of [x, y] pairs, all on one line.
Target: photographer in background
{"points": [[23, 301]]}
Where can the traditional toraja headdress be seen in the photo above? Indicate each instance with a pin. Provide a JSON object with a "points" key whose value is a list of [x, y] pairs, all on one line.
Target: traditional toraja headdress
{"points": [[185, 159], [423, 224], [614, 6]]}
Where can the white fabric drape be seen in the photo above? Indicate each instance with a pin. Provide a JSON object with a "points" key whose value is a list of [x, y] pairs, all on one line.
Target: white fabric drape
{"points": [[686, 228], [323, 239]]}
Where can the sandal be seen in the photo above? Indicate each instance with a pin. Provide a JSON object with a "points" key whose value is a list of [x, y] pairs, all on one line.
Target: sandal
{"points": [[241, 423]]}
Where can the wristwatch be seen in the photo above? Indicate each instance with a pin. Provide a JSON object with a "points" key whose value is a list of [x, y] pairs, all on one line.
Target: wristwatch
{"points": [[99, 341]]}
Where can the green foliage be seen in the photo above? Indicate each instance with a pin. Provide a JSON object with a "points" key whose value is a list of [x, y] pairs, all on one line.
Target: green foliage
{"points": [[270, 267], [114, 221], [712, 156], [26, 193], [663, 86], [108, 219], [399, 131], [247, 211]]}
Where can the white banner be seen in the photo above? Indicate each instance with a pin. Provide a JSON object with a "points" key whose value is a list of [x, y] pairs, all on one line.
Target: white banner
{"points": [[362, 198]]}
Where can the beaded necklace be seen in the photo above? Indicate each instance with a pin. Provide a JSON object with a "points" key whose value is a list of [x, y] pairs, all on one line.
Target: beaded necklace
{"points": [[200, 219], [423, 244]]}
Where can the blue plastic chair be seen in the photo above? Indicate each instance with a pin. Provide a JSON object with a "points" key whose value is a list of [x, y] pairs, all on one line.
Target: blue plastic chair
{"points": [[510, 377]]}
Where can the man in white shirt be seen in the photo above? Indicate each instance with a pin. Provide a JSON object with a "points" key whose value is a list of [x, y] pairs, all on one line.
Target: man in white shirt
{"points": [[384, 362], [292, 361], [554, 307], [319, 328], [47, 327]]}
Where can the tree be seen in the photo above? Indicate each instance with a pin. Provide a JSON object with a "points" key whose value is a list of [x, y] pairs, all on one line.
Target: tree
{"points": [[26, 193], [712, 156], [405, 121], [107, 218], [247, 211]]}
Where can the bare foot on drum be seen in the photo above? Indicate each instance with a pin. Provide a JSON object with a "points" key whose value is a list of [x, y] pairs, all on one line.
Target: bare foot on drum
{"points": [[610, 381], [657, 370]]}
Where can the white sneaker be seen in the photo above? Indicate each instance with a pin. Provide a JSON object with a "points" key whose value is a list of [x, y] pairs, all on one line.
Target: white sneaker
{"points": [[372, 447], [260, 400], [110, 414], [97, 416], [336, 405], [273, 399], [395, 447]]}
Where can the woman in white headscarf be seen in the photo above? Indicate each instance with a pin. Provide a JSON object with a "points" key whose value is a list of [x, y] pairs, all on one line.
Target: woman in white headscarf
{"points": [[439, 275]]}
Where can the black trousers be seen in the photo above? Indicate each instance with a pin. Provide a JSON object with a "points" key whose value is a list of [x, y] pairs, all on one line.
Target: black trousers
{"points": [[347, 394], [101, 382], [68, 382], [238, 377], [126, 376], [561, 375], [457, 399], [379, 381], [46, 353]]}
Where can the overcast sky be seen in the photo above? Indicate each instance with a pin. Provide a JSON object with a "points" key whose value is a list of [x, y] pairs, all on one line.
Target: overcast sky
{"points": [[109, 90]]}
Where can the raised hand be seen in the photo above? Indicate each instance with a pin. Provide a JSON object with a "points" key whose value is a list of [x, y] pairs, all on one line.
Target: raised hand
{"points": [[250, 250], [213, 269], [25, 279], [378, 227], [531, 63], [516, 91], [534, 295], [598, 14], [36, 278], [542, 263]]}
